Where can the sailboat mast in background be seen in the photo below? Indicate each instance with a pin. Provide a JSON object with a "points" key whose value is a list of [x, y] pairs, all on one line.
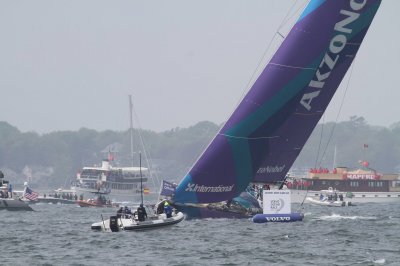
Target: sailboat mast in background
{"points": [[131, 127]]}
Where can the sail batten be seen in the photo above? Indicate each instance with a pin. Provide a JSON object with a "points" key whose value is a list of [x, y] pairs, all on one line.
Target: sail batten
{"points": [[299, 67], [268, 129], [249, 138]]}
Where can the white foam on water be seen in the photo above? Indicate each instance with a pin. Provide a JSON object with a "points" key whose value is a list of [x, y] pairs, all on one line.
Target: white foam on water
{"points": [[337, 217], [379, 261]]}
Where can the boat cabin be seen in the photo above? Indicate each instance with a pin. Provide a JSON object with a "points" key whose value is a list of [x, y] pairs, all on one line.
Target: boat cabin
{"points": [[109, 177], [360, 180]]}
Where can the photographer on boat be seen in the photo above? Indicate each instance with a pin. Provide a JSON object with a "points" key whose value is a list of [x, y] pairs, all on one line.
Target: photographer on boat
{"points": [[141, 212]]}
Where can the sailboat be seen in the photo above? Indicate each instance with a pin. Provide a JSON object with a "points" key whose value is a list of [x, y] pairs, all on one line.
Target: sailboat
{"points": [[268, 129], [116, 181], [146, 217]]}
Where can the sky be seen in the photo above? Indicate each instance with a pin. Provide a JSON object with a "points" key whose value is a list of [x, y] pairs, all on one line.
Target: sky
{"points": [[70, 64]]}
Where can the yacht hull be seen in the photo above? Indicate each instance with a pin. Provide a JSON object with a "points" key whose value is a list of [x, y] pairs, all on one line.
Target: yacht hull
{"points": [[12, 204]]}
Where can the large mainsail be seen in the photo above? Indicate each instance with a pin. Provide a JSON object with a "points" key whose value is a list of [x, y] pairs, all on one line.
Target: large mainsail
{"points": [[268, 129]]}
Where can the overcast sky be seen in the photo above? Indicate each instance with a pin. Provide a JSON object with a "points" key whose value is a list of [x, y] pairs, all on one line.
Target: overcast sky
{"points": [[71, 64]]}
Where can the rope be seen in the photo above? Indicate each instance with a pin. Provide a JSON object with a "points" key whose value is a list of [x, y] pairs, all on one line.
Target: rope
{"points": [[294, 13], [260, 64], [320, 142], [340, 108], [146, 154], [334, 125]]}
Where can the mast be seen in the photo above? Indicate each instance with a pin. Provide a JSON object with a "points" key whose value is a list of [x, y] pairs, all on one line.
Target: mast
{"points": [[141, 179], [334, 158], [131, 127]]}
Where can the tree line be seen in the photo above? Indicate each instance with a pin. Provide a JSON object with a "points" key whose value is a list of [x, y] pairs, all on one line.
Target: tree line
{"points": [[53, 159]]}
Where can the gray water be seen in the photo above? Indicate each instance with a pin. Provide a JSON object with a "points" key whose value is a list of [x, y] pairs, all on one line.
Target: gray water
{"points": [[367, 234]]}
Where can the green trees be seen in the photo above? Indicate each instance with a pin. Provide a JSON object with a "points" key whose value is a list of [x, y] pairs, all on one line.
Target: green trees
{"points": [[355, 141], [53, 159]]}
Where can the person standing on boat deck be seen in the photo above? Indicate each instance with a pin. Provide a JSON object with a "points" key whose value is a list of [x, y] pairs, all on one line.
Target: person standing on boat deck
{"points": [[142, 214], [10, 190], [335, 197], [341, 197], [167, 209], [119, 212], [128, 212]]}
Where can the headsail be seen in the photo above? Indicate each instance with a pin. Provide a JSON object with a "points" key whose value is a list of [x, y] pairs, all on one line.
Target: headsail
{"points": [[267, 131]]}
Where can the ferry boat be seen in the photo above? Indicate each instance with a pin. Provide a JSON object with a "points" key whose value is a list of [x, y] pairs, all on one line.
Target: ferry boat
{"points": [[120, 182], [359, 185], [107, 179]]}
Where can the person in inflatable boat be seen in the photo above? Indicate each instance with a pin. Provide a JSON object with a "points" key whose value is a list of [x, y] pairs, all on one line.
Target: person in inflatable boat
{"points": [[167, 209]]}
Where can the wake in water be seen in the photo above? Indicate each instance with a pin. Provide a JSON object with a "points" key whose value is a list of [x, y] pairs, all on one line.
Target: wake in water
{"points": [[379, 261], [338, 217]]}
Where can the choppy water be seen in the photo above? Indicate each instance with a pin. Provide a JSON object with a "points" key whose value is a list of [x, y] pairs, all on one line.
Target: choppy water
{"points": [[367, 234]]}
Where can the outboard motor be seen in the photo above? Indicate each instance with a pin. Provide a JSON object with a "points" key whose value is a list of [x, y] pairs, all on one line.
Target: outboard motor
{"points": [[114, 224]]}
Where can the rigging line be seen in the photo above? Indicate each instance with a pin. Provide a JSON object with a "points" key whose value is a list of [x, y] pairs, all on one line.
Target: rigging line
{"points": [[284, 22], [146, 154], [260, 62], [320, 141], [337, 118], [259, 66], [301, 205], [340, 107], [289, 16]]}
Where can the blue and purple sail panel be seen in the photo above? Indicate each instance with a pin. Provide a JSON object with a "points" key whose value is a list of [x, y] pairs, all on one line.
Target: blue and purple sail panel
{"points": [[267, 131]]}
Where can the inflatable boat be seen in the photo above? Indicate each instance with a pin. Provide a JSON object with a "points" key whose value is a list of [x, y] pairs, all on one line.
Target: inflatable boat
{"points": [[266, 218], [131, 223], [329, 203]]}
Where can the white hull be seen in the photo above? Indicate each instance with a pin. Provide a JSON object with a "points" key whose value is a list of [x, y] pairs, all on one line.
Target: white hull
{"points": [[298, 196], [131, 224], [114, 194], [328, 203], [13, 204], [52, 200]]}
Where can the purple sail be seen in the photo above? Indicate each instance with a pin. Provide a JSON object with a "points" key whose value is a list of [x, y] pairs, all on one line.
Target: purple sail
{"points": [[267, 131]]}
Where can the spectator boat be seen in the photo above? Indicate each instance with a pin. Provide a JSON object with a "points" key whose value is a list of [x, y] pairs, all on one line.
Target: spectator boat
{"points": [[130, 222], [99, 201], [8, 200]]}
